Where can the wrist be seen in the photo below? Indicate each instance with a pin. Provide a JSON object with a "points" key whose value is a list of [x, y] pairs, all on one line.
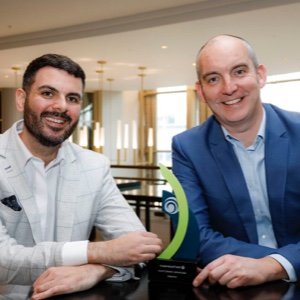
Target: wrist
{"points": [[98, 252], [277, 271], [102, 272]]}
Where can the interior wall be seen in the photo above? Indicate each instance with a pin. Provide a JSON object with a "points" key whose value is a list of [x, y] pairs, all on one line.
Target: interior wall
{"points": [[8, 108]]}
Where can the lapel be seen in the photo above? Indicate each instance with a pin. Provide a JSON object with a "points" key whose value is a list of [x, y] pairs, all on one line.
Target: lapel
{"points": [[18, 184], [227, 161], [276, 160], [67, 193]]}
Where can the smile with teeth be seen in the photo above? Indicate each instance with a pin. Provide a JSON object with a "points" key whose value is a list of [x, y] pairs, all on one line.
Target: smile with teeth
{"points": [[55, 120], [233, 101]]}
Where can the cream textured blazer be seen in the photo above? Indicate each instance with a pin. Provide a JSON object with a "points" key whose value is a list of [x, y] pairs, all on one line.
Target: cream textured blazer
{"points": [[87, 196]]}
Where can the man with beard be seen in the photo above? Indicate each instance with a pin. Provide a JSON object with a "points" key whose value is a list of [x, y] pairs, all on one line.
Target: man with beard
{"points": [[53, 193]]}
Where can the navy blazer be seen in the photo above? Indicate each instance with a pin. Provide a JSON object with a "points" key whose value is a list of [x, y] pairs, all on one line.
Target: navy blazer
{"points": [[208, 169]]}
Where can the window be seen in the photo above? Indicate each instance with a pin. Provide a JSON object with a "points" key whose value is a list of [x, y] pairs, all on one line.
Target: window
{"points": [[283, 91], [171, 119], [86, 120]]}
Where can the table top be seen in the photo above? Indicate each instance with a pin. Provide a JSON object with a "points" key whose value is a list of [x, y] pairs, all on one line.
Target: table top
{"points": [[145, 290], [147, 190]]}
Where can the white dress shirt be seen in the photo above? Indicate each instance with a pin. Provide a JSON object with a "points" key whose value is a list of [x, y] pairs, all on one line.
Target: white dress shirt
{"points": [[43, 182]]}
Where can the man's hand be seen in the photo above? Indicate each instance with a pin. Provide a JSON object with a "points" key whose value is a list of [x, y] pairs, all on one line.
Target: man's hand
{"points": [[129, 249], [65, 280], [235, 271]]}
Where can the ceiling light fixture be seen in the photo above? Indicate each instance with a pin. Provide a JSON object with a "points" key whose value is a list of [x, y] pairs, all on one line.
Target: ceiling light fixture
{"points": [[100, 72]]}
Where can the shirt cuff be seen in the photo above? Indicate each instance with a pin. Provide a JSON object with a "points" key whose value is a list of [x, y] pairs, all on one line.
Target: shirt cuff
{"points": [[75, 253], [123, 274], [287, 266]]}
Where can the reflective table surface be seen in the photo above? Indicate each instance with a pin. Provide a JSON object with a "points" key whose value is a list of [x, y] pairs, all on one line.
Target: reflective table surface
{"points": [[145, 290]]}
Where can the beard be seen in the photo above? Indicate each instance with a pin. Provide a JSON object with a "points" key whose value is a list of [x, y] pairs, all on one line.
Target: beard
{"points": [[35, 126]]}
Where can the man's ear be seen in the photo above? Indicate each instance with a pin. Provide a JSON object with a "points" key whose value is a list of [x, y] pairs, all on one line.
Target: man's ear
{"points": [[199, 92], [262, 75], [20, 99]]}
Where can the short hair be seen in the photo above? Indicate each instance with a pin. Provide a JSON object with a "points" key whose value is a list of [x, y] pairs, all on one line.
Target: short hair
{"points": [[55, 61], [250, 50]]}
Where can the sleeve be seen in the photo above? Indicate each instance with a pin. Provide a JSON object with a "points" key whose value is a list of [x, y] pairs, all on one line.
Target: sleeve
{"points": [[213, 244], [75, 253], [123, 274], [115, 216], [287, 266], [23, 265]]}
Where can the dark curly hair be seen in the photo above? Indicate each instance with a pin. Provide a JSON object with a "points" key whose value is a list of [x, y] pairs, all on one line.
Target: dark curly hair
{"points": [[51, 60]]}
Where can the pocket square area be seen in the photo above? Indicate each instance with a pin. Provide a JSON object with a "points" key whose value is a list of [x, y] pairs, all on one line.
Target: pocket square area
{"points": [[12, 203]]}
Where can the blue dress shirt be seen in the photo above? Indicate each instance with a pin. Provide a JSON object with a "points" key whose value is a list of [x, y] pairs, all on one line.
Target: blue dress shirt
{"points": [[252, 163]]}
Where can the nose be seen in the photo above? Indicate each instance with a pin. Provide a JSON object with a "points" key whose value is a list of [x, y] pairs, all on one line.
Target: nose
{"points": [[60, 103], [229, 86]]}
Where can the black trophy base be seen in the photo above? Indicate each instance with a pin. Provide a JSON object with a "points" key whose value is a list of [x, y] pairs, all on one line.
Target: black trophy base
{"points": [[168, 270]]}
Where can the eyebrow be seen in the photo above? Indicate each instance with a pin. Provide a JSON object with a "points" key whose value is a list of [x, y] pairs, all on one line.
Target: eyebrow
{"points": [[217, 73], [240, 65], [209, 74], [47, 87]]}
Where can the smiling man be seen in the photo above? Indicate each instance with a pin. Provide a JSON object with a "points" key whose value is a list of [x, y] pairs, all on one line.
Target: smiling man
{"points": [[53, 192], [51, 110], [240, 172]]}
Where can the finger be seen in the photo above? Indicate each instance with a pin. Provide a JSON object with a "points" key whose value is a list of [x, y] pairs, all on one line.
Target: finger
{"points": [[212, 272], [149, 234], [49, 292], [200, 278], [151, 249], [205, 273], [152, 242], [224, 277], [235, 283], [44, 277], [220, 273]]}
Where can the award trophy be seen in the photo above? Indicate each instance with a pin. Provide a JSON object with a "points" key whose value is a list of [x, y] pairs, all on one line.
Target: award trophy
{"points": [[177, 263]]}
